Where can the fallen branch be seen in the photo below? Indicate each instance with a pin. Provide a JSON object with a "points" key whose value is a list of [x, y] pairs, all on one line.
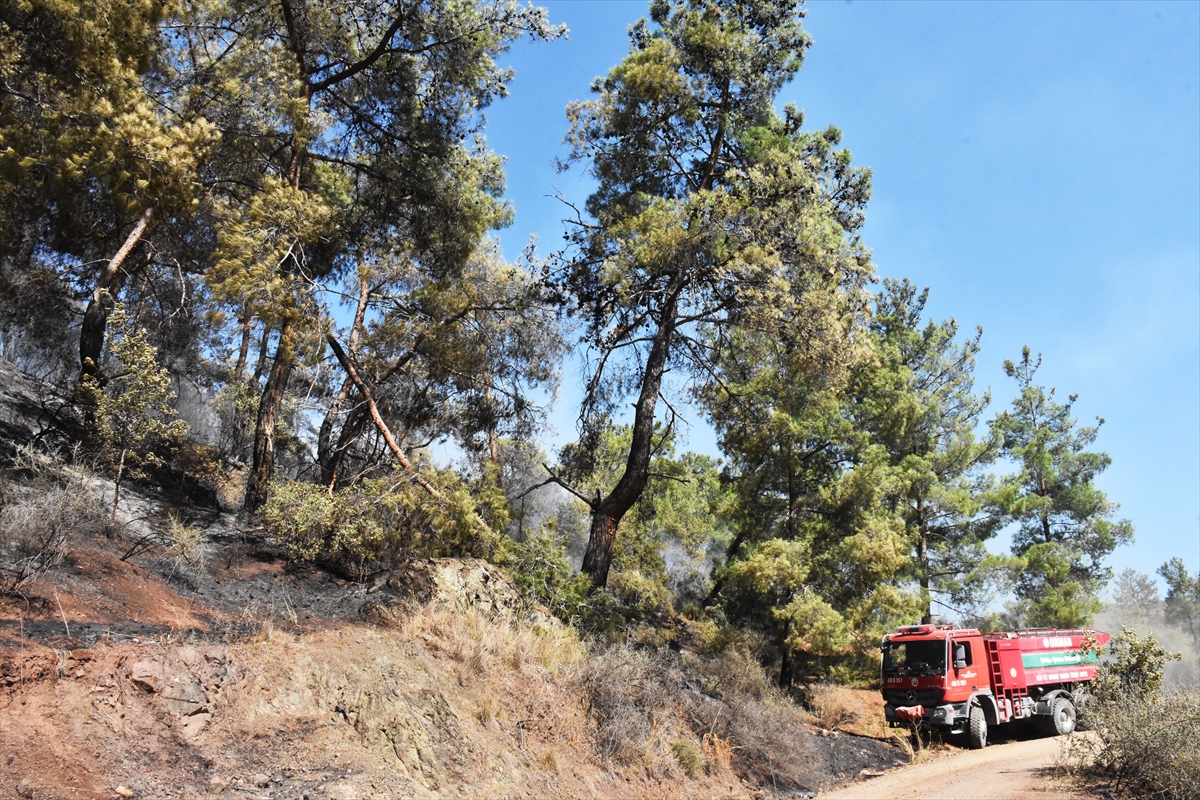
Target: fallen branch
{"points": [[352, 371]]}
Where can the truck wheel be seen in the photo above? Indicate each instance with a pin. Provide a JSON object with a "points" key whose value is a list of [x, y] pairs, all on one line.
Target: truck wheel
{"points": [[977, 729], [1082, 699], [1061, 720]]}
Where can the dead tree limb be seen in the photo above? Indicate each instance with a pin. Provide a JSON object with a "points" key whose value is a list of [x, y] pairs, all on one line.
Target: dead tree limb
{"points": [[348, 365]]}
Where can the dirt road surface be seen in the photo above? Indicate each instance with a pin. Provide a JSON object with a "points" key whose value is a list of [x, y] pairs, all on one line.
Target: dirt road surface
{"points": [[1015, 769]]}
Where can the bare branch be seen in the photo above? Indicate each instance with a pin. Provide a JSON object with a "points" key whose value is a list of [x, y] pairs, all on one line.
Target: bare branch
{"points": [[556, 479]]}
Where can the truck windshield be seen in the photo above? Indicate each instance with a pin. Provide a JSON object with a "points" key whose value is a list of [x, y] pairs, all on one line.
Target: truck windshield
{"points": [[915, 658]]}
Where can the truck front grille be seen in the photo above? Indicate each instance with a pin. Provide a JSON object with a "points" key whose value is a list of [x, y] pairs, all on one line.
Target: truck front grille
{"points": [[913, 697]]}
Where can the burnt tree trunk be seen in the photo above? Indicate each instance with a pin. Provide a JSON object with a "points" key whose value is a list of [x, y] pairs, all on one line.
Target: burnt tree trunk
{"points": [[263, 469], [95, 318], [352, 428]]}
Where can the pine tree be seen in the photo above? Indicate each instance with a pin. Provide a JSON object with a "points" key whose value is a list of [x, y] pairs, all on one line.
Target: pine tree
{"points": [[1064, 522], [1183, 598], [918, 403], [710, 209], [354, 122], [91, 151]]}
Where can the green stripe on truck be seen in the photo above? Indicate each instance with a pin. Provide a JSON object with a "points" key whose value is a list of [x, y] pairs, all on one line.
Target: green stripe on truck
{"points": [[1059, 658]]}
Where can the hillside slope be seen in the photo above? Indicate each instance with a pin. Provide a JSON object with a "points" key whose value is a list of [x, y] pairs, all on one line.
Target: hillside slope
{"points": [[218, 669]]}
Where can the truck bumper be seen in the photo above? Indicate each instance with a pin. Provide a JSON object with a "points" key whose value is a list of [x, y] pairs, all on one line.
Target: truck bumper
{"points": [[950, 717]]}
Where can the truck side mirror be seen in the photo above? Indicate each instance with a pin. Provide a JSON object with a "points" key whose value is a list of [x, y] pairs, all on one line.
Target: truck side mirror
{"points": [[960, 656]]}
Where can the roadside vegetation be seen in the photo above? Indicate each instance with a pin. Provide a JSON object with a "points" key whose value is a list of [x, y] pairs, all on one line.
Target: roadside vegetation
{"points": [[1143, 741]]}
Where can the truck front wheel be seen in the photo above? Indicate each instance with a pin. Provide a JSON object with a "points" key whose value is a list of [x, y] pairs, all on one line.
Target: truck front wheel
{"points": [[977, 728], [1061, 720]]}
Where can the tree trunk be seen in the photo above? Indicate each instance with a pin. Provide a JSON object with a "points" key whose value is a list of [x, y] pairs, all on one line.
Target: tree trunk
{"points": [[263, 346], [607, 514], [268, 414], [247, 322], [923, 561], [326, 457], [786, 667], [117, 485], [95, 318], [598, 558], [356, 422]]}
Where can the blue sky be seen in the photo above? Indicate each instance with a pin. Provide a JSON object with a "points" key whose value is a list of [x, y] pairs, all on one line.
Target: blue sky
{"points": [[1037, 165]]}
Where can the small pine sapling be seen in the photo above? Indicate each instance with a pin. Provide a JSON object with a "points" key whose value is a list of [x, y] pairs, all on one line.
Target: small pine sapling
{"points": [[131, 417]]}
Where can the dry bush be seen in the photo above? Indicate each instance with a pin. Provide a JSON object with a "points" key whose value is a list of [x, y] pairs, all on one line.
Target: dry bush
{"points": [[644, 702], [1144, 742], [42, 509], [1142, 747], [717, 753], [833, 707], [623, 690], [176, 538]]}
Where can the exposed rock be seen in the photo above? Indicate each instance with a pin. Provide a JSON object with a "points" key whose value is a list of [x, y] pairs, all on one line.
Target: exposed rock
{"points": [[194, 723], [184, 695], [386, 612], [149, 675], [123, 791], [25, 788], [262, 781], [216, 785], [191, 658], [459, 584]]}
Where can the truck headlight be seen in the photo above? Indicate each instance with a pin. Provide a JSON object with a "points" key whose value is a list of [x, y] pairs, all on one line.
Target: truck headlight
{"points": [[939, 713]]}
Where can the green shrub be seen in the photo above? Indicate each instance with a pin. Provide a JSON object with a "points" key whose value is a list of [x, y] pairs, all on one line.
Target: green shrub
{"points": [[378, 523], [688, 754], [130, 417], [1144, 742], [541, 570]]}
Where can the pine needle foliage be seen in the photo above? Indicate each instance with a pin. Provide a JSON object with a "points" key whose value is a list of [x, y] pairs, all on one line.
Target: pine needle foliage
{"points": [[132, 420]]}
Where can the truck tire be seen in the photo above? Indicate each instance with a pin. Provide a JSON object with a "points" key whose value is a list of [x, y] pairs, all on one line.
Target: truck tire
{"points": [[1061, 719], [1081, 699], [977, 728]]}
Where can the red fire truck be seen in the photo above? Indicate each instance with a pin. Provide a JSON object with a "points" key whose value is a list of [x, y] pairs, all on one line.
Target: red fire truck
{"points": [[962, 681]]}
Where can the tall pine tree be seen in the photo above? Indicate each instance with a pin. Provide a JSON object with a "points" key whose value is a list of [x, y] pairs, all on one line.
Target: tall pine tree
{"points": [[710, 208], [919, 404], [1064, 523]]}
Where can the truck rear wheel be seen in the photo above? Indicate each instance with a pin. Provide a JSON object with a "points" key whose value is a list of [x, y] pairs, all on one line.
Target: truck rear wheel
{"points": [[1061, 720], [977, 728]]}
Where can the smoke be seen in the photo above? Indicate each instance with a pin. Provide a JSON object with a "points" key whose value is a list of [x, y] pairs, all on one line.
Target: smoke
{"points": [[1135, 604]]}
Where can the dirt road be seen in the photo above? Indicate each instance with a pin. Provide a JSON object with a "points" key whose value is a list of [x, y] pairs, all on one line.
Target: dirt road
{"points": [[1015, 769]]}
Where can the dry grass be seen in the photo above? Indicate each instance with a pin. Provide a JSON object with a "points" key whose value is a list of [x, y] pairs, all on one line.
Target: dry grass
{"points": [[40, 512], [672, 713], [835, 707], [435, 700]]}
